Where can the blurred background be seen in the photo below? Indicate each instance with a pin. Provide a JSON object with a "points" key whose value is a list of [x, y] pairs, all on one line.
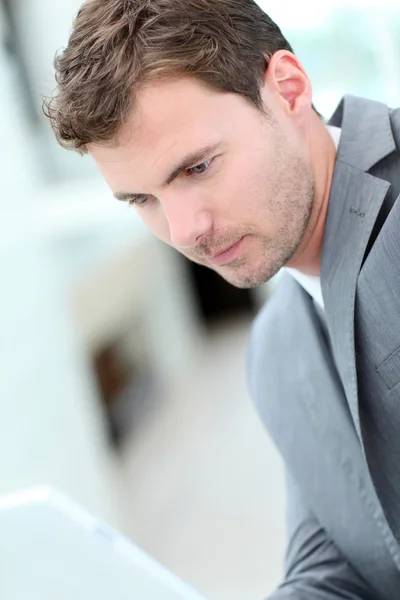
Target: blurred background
{"points": [[122, 366]]}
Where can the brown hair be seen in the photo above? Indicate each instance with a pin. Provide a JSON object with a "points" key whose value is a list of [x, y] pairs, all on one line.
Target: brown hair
{"points": [[117, 45]]}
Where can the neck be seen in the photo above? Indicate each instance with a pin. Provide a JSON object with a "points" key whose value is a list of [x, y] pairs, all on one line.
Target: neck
{"points": [[323, 154]]}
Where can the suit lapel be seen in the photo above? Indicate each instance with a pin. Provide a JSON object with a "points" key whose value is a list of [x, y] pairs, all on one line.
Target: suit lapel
{"points": [[355, 201], [354, 204]]}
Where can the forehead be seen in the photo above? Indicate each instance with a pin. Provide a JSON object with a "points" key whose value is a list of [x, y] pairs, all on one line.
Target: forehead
{"points": [[162, 106], [171, 118]]}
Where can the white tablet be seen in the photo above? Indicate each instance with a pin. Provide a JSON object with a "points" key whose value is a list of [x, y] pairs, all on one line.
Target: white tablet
{"points": [[51, 549]]}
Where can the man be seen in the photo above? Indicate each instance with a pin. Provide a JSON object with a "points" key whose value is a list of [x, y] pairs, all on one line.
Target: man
{"points": [[198, 114]]}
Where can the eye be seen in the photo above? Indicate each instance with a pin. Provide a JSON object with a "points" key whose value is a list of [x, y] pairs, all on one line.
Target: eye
{"points": [[138, 200], [200, 169]]}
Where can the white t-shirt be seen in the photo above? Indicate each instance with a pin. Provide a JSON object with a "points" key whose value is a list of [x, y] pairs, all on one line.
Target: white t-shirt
{"points": [[312, 283]]}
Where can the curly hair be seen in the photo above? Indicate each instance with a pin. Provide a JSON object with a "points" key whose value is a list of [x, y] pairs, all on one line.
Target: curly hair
{"points": [[118, 45]]}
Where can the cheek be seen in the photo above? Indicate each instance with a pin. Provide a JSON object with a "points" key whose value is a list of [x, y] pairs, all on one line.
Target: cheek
{"points": [[247, 179], [250, 190]]}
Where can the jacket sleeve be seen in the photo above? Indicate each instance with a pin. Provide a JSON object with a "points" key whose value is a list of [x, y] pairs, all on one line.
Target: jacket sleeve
{"points": [[315, 569]]}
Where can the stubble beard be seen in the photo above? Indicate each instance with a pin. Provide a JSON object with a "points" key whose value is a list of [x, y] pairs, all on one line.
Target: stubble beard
{"points": [[295, 188]]}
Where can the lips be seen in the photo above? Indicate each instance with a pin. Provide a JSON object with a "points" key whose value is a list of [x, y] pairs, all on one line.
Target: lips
{"points": [[227, 255]]}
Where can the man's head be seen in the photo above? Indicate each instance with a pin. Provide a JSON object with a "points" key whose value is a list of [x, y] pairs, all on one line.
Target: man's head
{"points": [[198, 113]]}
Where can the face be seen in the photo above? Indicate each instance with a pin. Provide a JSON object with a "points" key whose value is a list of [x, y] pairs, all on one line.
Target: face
{"points": [[226, 185]]}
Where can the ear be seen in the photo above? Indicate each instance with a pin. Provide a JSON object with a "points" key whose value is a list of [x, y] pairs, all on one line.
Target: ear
{"points": [[288, 84]]}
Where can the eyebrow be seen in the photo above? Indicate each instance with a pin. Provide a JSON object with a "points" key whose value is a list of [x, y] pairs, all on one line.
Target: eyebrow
{"points": [[188, 161]]}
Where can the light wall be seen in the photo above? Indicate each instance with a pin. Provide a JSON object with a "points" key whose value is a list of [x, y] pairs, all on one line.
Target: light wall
{"points": [[52, 430]]}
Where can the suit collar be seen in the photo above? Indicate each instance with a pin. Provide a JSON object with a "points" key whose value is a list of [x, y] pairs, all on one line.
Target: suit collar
{"points": [[366, 132]]}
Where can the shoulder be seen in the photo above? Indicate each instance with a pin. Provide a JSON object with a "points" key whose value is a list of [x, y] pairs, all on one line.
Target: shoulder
{"points": [[273, 308], [265, 338]]}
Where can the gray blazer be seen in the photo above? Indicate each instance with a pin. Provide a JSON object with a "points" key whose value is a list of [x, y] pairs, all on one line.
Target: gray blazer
{"points": [[328, 390]]}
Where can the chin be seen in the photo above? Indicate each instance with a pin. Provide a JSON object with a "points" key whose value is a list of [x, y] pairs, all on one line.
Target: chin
{"points": [[251, 278], [246, 282]]}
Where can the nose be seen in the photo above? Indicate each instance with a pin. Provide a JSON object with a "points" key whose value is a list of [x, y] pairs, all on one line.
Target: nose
{"points": [[187, 224]]}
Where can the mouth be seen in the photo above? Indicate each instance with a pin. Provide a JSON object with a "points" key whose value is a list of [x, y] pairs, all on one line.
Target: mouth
{"points": [[226, 256]]}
